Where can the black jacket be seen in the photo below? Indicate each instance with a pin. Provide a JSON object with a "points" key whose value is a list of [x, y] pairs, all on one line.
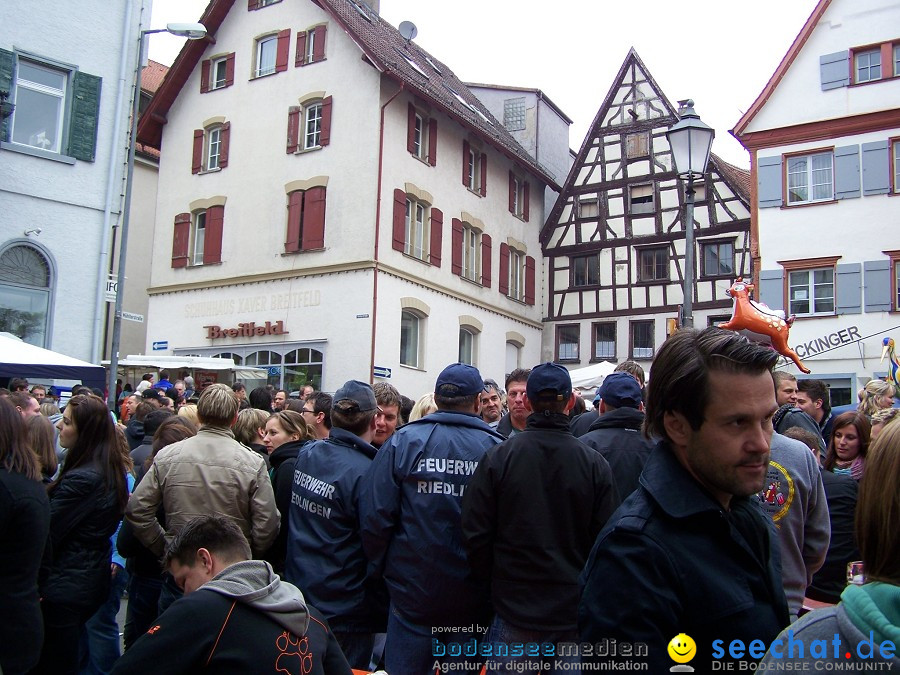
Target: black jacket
{"points": [[671, 560], [617, 436], [84, 513], [281, 471], [788, 416], [582, 424], [531, 513], [831, 579], [25, 519], [139, 559], [134, 433]]}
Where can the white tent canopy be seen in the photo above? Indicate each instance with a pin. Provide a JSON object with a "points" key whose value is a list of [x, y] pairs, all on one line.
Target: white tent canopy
{"points": [[168, 362], [586, 380], [20, 359]]}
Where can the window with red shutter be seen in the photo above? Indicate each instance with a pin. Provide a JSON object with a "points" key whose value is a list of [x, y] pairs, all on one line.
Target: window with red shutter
{"points": [[503, 275], [398, 239], [229, 70], [215, 221], [437, 232], [300, 49], [318, 50], [204, 75], [432, 141], [411, 131], [518, 196], [457, 247], [483, 175], [293, 128], [526, 200], [467, 170], [197, 156], [529, 280], [181, 240], [282, 51], [312, 234], [325, 136], [486, 260], [225, 143], [295, 218]]}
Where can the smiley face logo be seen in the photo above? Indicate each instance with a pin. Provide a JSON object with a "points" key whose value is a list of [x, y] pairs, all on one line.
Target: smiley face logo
{"points": [[682, 648]]}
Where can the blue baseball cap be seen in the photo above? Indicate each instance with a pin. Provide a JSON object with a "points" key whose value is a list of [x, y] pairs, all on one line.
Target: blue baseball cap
{"points": [[549, 381], [359, 392], [459, 379], [621, 390]]}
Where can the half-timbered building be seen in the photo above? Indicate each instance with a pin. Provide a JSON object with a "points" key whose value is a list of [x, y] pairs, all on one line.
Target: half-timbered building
{"points": [[614, 241]]}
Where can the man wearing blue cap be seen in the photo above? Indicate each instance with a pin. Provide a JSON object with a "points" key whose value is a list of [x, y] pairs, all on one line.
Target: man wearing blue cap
{"points": [[530, 516], [616, 434], [410, 507], [325, 556]]}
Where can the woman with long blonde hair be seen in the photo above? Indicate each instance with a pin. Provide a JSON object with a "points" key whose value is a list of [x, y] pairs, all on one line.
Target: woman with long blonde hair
{"points": [[876, 395]]}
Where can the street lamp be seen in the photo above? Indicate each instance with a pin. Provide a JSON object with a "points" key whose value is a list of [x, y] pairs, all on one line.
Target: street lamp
{"points": [[191, 31], [690, 141]]}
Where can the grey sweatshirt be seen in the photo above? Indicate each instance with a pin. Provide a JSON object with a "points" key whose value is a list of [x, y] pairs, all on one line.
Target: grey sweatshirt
{"points": [[253, 583], [793, 495]]}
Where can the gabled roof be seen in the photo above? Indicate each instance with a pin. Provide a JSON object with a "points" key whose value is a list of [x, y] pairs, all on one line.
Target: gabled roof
{"points": [[418, 72], [152, 76], [782, 68], [736, 177], [526, 90]]}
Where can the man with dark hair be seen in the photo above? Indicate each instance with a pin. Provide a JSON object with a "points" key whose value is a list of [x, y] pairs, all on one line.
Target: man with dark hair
{"points": [[25, 403], [689, 551], [388, 416], [788, 415], [306, 391], [151, 422], [261, 399], [204, 474], [324, 551], [163, 384], [236, 615], [545, 482], [491, 404], [240, 391], [279, 400], [134, 430], [410, 510], [616, 434], [18, 384], [813, 399], [317, 411], [514, 421]]}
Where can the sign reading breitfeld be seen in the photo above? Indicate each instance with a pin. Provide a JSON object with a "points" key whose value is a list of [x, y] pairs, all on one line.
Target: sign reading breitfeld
{"points": [[248, 329]]}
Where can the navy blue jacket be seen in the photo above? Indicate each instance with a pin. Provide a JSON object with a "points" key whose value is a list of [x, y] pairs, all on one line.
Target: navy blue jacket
{"points": [[325, 558], [616, 435], [411, 518], [671, 560]]}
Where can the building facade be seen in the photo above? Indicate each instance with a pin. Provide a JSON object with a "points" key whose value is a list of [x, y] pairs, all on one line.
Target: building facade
{"points": [[334, 203], [824, 141], [614, 242], [63, 138]]}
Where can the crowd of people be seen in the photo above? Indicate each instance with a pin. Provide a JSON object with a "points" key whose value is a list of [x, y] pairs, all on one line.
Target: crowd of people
{"points": [[366, 529]]}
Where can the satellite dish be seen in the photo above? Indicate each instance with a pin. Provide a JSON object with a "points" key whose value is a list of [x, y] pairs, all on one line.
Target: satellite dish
{"points": [[408, 30]]}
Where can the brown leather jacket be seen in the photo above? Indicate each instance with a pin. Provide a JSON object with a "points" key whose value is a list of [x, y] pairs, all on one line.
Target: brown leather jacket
{"points": [[208, 473]]}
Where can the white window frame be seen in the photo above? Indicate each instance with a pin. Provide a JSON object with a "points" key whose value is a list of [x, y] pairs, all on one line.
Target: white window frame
{"points": [[518, 197], [796, 285], [467, 345], [472, 169], [34, 140], [310, 45], [516, 274], [865, 69], [411, 331], [312, 125], [804, 180], [213, 148], [214, 82], [198, 237], [895, 265], [895, 149], [572, 350], [596, 354], [642, 352], [261, 44], [470, 252], [420, 134], [416, 232]]}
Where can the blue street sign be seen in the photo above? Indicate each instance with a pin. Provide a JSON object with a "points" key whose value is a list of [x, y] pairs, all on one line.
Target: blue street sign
{"points": [[162, 345], [381, 371]]}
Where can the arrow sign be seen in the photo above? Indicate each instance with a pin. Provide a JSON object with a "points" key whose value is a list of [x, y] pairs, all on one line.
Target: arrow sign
{"points": [[381, 371]]}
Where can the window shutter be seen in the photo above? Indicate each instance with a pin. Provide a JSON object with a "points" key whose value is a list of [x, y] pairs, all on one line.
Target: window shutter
{"points": [[85, 115], [876, 168], [768, 181], [295, 216], [319, 43], [181, 239], [849, 285], [300, 53], [771, 288], [293, 128], [846, 172], [437, 232], [225, 143], [527, 198], [465, 164], [7, 64], [432, 141], [252, 4], [325, 129], [877, 285], [212, 245], [229, 70], [313, 234], [503, 278], [204, 75], [512, 192], [410, 129], [486, 260], [483, 174], [834, 70], [456, 242], [197, 157], [529, 280], [282, 50], [399, 237]]}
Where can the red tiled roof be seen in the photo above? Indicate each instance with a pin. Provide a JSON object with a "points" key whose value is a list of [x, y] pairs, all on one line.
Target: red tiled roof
{"points": [[152, 76], [735, 176], [418, 72]]}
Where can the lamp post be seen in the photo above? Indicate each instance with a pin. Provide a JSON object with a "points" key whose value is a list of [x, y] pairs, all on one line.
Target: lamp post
{"points": [[690, 141], [191, 31]]}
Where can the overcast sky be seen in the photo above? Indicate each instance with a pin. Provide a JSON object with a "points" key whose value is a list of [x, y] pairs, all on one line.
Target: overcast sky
{"points": [[720, 53]]}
